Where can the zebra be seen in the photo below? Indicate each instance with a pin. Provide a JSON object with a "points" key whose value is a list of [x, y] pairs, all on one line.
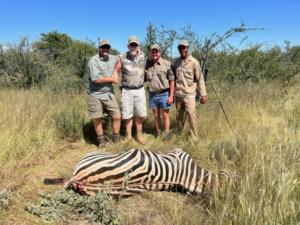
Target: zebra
{"points": [[139, 170]]}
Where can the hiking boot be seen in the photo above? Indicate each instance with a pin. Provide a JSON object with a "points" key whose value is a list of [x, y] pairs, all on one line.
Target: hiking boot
{"points": [[166, 135], [116, 138], [157, 134], [101, 141], [139, 138], [128, 137]]}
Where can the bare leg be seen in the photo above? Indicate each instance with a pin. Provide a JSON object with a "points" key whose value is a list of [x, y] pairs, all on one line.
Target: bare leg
{"points": [[166, 119], [138, 123], [128, 125], [139, 128], [98, 126], [156, 113], [116, 124]]}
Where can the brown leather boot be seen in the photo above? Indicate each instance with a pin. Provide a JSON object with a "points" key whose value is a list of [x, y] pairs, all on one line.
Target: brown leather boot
{"points": [[139, 138], [128, 137]]}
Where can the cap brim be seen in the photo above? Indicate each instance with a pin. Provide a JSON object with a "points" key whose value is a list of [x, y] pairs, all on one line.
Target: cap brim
{"points": [[105, 45], [133, 42]]}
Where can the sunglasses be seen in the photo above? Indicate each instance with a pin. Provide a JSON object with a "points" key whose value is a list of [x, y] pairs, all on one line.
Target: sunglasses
{"points": [[182, 47], [133, 45], [105, 47]]}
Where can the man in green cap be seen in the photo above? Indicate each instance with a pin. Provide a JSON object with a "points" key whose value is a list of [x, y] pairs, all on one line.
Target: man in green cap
{"points": [[160, 78], [189, 79], [132, 67], [101, 96]]}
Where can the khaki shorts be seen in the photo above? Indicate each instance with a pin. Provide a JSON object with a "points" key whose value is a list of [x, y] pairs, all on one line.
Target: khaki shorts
{"points": [[133, 103], [100, 104]]}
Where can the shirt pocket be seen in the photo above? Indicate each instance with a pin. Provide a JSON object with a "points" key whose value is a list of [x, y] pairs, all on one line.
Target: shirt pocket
{"points": [[179, 74], [162, 76], [189, 77], [149, 74]]}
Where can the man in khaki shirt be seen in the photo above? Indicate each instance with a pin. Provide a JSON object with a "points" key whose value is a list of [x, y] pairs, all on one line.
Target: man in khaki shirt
{"points": [[160, 78], [188, 78]]}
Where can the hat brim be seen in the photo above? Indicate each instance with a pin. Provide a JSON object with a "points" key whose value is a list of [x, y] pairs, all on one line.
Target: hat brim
{"points": [[182, 45], [101, 46], [133, 42]]}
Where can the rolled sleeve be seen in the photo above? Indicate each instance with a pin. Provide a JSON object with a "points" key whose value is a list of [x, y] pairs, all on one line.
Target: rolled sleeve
{"points": [[170, 73], [95, 70]]}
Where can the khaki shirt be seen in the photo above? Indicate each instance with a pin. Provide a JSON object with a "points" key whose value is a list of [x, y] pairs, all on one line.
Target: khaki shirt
{"points": [[158, 74], [188, 77], [133, 70]]}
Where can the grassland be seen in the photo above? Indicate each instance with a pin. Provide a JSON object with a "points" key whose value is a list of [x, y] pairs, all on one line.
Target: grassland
{"points": [[41, 135]]}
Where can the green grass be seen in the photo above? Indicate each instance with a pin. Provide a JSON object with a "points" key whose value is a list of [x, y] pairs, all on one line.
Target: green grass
{"points": [[262, 150]]}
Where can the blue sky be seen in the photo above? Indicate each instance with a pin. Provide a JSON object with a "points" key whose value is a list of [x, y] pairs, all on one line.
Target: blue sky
{"points": [[116, 20]]}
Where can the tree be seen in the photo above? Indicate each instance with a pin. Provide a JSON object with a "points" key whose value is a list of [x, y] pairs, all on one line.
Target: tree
{"points": [[53, 45], [151, 38]]}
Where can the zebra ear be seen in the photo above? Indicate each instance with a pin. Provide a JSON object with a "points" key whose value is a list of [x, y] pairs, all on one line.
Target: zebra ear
{"points": [[69, 185]]}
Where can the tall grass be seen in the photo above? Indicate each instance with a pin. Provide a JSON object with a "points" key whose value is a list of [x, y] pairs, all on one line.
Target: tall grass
{"points": [[32, 121], [261, 152]]}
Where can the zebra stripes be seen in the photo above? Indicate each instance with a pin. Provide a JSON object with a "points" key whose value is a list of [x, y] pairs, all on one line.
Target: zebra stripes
{"points": [[139, 170]]}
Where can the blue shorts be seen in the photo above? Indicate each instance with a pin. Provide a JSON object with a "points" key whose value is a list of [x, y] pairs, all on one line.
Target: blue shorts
{"points": [[159, 100]]}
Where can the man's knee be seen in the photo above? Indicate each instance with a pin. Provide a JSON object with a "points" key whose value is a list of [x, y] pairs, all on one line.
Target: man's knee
{"points": [[116, 116]]}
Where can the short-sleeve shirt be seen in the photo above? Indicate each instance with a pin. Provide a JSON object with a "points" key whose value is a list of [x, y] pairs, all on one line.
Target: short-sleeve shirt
{"points": [[158, 74], [133, 70], [97, 68]]}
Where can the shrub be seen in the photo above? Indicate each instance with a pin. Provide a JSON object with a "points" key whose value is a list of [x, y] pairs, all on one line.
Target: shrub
{"points": [[70, 206], [69, 123]]}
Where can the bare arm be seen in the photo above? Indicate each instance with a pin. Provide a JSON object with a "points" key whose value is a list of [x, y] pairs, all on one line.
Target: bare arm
{"points": [[104, 80], [171, 96]]}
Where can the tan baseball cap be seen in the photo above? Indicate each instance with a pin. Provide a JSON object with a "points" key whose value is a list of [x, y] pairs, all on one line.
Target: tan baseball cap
{"points": [[183, 43], [104, 42], [155, 46], [133, 39]]}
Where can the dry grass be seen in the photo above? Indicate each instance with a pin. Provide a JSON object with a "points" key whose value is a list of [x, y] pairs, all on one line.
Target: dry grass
{"points": [[263, 149]]}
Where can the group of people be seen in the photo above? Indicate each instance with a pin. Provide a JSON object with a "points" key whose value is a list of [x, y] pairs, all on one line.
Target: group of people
{"points": [[166, 82]]}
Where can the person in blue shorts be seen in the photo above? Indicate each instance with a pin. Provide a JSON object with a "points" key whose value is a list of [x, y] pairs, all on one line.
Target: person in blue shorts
{"points": [[160, 78]]}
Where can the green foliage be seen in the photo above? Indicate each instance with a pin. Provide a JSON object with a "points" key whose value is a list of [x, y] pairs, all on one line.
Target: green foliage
{"points": [[20, 67], [53, 45], [253, 65], [69, 123], [68, 206], [77, 56]]}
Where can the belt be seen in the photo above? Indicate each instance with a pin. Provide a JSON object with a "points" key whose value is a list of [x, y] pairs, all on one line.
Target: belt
{"points": [[132, 88], [160, 92]]}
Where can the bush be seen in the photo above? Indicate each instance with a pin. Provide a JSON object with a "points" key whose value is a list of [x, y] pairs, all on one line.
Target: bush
{"points": [[69, 123], [70, 206], [6, 196]]}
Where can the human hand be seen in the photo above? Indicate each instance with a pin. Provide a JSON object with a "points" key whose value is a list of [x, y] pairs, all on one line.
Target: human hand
{"points": [[203, 99], [114, 78], [170, 100]]}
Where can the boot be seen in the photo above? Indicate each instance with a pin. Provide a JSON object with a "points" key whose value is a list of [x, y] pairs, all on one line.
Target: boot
{"points": [[157, 134], [116, 138], [128, 137], [101, 141], [139, 138]]}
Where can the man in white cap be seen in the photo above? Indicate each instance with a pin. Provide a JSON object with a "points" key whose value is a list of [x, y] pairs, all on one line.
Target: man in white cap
{"points": [[101, 98], [160, 78], [132, 67], [189, 78]]}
